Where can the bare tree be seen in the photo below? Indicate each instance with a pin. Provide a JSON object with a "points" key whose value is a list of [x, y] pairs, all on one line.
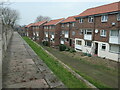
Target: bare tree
{"points": [[42, 18], [9, 16]]}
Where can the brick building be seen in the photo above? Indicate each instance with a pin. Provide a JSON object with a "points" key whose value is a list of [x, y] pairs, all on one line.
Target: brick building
{"points": [[29, 30], [52, 31], [38, 32], [99, 29], [68, 31]]}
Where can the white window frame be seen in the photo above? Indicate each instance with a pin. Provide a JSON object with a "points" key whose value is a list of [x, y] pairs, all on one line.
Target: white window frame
{"points": [[73, 33], [73, 24], [81, 20], [91, 19], [103, 33], [114, 51], [102, 46], [104, 18], [78, 43], [88, 30], [81, 32], [62, 25], [86, 43], [118, 17], [68, 25]]}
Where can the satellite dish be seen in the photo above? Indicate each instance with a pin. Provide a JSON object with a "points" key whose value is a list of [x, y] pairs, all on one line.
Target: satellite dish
{"points": [[96, 31]]}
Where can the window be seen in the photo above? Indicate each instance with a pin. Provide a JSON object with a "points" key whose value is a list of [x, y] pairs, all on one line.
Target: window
{"points": [[81, 20], [88, 31], [114, 32], [103, 46], [67, 24], [88, 43], [44, 27], [118, 17], [114, 48], [62, 25], [50, 27], [73, 24], [73, 32], [63, 32], [66, 32], [104, 18], [37, 33], [81, 32], [78, 42], [90, 19], [103, 33]]}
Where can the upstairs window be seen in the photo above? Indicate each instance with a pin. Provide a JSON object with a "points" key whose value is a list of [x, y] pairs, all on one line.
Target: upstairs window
{"points": [[114, 32], [62, 25], [104, 18], [81, 32], [103, 33], [73, 33], [50, 27], [73, 24], [88, 32], [118, 17], [90, 19], [67, 24], [81, 20]]}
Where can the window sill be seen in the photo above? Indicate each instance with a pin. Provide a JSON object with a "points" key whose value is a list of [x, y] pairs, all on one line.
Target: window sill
{"points": [[103, 36], [103, 21]]}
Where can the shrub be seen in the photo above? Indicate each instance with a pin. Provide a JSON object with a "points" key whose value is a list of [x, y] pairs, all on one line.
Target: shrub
{"points": [[62, 47], [45, 43], [89, 55], [72, 50], [67, 49], [84, 54]]}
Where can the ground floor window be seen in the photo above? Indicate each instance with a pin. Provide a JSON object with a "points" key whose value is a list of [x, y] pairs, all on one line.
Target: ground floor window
{"points": [[88, 43], [114, 48], [78, 42], [103, 46]]}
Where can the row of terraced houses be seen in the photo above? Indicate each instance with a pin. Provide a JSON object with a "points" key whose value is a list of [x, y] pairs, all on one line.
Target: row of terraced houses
{"points": [[95, 31]]}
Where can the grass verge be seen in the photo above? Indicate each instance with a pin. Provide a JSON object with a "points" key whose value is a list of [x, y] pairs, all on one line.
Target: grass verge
{"points": [[63, 74], [95, 82]]}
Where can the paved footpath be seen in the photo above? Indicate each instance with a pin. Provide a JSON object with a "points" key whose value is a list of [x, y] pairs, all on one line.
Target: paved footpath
{"points": [[23, 69]]}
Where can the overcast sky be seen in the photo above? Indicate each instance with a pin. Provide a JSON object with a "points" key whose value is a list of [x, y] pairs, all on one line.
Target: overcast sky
{"points": [[30, 9]]}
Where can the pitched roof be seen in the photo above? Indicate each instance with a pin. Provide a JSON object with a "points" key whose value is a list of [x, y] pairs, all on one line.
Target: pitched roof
{"points": [[69, 19], [39, 23], [54, 22], [101, 9], [29, 25]]}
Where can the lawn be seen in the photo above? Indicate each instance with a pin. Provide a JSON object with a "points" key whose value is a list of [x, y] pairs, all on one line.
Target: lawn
{"points": [[98, 74], [63, 74]]}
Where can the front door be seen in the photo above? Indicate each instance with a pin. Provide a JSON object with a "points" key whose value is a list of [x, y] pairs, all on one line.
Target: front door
{"points": [[70, 42], [96, 48]]}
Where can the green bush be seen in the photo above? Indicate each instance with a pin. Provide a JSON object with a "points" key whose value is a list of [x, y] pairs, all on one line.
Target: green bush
{"points": [[67, 49], [89, 55], [62, 47], [72, 50], [45, 43], [84, 54]]}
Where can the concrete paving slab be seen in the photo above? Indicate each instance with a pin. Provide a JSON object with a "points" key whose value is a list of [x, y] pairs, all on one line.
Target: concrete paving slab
{"points": [[22, 68]]}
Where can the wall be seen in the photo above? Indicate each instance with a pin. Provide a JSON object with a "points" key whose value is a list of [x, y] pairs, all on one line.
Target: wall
{"points": [[5, 36]]}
